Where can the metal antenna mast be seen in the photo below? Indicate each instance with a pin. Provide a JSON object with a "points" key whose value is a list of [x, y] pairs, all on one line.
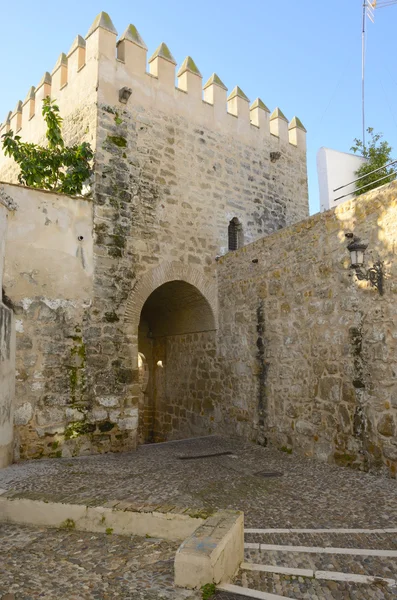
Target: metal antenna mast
{"points": [[369, 7], [363, 70], [368, 10]]}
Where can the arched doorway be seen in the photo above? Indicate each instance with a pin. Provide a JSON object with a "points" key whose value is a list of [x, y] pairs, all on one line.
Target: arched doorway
{"points": [[177, 343]]}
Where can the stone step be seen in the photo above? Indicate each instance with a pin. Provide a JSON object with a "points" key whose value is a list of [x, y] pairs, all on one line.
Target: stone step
{"points": [[376, 566], [302, 588], [365, 539], [237, 592], [329, 575]]}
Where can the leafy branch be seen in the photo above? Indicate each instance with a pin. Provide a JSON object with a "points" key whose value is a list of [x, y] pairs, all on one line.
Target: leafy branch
{"points": [[56, 167], [378, 155]]}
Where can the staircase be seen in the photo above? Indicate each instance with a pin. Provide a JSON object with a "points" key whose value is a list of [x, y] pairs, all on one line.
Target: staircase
{"points": [[302, 564]]}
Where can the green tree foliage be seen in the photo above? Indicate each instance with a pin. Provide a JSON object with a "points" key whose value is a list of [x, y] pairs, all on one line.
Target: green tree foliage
{"points": [[56, 167], [378, 155]]}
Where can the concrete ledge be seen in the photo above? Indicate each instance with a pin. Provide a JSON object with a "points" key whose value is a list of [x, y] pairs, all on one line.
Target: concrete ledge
{"points": [[213, 553], [119, 517]]}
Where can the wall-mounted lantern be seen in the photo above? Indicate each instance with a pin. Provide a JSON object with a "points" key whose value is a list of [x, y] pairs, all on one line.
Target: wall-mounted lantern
{"points": [[374, 274]]}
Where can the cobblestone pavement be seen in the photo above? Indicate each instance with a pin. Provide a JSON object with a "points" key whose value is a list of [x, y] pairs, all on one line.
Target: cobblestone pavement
{"points": [[66, 565], [305, 587], [308, 494]]}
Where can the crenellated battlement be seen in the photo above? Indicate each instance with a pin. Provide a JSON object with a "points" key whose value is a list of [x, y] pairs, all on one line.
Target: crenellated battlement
{"points": [[103, 69]]}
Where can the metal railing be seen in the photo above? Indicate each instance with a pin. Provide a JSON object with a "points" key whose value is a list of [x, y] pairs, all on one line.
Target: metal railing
{"points": [[393, 162]]}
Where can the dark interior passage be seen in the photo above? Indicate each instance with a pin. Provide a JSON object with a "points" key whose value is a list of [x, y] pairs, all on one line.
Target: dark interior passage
{"points": [[178, 365]]}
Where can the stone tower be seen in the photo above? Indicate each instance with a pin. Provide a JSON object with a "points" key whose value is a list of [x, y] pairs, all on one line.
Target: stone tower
{"points": [[182, 175]]}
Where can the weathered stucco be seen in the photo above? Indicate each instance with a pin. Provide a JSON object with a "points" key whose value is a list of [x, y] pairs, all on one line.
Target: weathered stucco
{"points": [[309, 351], [49, 246], [48, 282]]}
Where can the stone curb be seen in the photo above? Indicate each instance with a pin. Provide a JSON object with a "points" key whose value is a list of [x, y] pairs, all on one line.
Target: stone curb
{"points": [[117, 517], [213, 553]]}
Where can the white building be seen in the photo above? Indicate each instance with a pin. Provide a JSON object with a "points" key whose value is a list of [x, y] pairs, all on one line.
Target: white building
{"points": [[336, 169]]}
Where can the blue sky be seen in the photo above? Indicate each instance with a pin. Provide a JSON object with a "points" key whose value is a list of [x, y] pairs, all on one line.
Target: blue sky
{"points": [[304, 57]]}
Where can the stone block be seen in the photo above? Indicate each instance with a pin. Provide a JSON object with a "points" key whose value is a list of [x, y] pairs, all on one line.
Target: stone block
{"points": [[213, 553], [23, 414]]}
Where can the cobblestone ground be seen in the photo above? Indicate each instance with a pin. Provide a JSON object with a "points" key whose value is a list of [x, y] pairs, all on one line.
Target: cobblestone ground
{"points": [[61, 565], [308, 494], [303, 587]]}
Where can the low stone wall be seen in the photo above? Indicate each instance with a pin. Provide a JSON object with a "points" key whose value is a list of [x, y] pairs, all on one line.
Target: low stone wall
{"points": [[213, 546], [309, 351], [115, 516], [213, 553]]}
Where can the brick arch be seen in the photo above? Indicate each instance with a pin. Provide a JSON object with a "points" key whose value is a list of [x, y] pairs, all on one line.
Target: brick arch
{"points": [[164, 273]]}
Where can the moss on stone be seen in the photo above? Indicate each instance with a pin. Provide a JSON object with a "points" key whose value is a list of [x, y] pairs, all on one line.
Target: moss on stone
{"points": [[344, 459], [77, 428], [117, 140], [163, 52], [118, 240], [115, 252], [67, 524], [73, 382], [208, 591], [109, 109], [204, 513], [79, 349]]}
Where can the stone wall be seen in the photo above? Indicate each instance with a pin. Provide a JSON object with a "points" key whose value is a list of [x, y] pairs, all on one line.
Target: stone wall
{"points": [[309, 350], [72, 84], [48, 283], [171, 172], [7, 357], [172, 168], [188, 394]]}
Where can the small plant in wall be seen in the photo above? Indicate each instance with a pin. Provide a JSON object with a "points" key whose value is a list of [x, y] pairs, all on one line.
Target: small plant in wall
{"points": [[55, 167], [207, 591]]}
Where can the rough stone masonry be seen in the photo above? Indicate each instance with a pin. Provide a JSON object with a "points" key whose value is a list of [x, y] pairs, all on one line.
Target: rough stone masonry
{"points": [[172, 170], [131, 329], [310, 350]]}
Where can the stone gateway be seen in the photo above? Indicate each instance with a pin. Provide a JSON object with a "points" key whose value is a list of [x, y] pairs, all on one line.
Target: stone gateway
{"points": [[190, 293]]}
